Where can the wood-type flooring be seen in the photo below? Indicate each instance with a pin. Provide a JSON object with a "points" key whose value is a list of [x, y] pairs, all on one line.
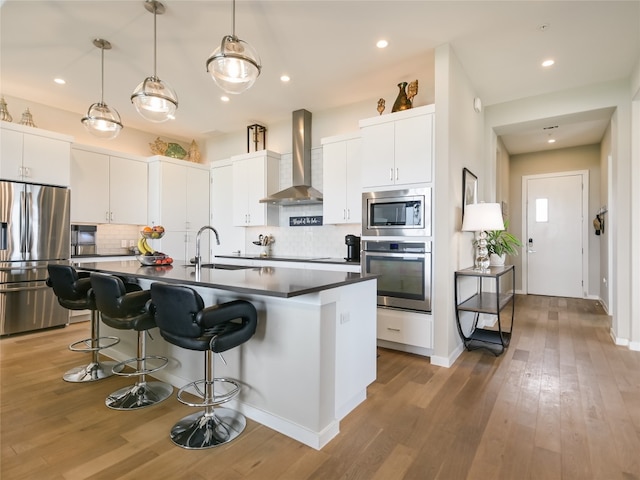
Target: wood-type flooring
{"points": [[563, 402]]}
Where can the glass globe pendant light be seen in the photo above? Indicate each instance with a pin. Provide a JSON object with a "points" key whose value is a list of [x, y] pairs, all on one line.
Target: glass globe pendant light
{"points": [[154, 99], [102, 121], [234, 65]]}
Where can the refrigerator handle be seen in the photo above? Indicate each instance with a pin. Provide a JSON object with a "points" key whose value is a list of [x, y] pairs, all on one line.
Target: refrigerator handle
{"points": [[4, 226], [27, 222]]}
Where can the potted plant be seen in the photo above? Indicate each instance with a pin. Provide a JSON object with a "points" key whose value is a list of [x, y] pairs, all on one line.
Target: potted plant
{"points": [[501, 243]]}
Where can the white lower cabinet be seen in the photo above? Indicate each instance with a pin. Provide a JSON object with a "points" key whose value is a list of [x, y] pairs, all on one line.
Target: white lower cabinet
{"points": [[405, 327], [107, 187]]}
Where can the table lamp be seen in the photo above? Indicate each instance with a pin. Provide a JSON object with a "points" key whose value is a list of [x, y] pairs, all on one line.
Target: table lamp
{"points": [[480, 217]]}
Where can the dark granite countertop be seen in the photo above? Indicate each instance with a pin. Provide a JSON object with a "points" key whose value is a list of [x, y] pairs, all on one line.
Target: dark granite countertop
{"points": [[269, 281], [292, 258]]}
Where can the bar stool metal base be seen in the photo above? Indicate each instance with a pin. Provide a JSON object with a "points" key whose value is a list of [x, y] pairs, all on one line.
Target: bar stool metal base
{"points": [[140, 395], [202, 430], [89, 373]]}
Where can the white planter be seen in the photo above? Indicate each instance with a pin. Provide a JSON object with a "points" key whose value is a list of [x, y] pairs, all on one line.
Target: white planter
{"points": [[497, 260]]}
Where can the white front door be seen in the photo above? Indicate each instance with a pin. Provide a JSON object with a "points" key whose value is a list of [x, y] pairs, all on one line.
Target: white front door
{"points": [[554, 238]]}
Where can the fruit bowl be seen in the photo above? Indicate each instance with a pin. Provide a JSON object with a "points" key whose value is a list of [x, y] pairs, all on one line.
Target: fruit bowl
{"points": [[152, 235], [154, 260]]}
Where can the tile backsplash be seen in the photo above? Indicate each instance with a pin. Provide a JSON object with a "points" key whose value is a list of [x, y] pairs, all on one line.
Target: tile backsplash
{"points": [[109, 238]]}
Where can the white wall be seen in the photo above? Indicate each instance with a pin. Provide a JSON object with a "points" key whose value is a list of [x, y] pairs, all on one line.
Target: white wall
{"points": [[458, 144]]}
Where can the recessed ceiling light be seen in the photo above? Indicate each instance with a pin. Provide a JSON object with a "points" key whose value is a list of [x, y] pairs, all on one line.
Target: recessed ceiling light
{"points": [[382, 44], [551, 140], [548, 63], [285, 78], [59, 81], [224, 98]]}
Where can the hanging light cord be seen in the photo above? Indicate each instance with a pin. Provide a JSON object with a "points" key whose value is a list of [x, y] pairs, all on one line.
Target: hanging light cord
{"points": [[233, 17], [102, 75], [155, 41]]}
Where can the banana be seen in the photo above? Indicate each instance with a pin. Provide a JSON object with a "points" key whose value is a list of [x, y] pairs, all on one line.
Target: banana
{"points": [[143, 246]]}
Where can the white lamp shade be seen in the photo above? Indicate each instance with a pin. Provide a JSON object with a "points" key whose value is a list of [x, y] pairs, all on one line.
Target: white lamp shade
{"points": [[102, 121], [155, 100], [479, 217], [234, 65]]}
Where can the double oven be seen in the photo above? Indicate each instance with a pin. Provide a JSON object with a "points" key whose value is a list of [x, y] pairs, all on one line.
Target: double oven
{"points": [[396, 246]]}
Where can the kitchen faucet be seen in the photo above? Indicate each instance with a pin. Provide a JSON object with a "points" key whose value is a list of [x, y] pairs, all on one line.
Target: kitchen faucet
{"points": [[198, 259]]}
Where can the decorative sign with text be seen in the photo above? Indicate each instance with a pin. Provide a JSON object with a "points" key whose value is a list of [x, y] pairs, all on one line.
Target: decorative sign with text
{"points": [[310, 221]]}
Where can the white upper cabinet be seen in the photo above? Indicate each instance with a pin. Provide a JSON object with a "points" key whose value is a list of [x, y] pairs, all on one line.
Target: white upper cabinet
{"points": [[29, 154], [107, 187], [342, 183], [255, 176], [397, 149], [179, 201]]}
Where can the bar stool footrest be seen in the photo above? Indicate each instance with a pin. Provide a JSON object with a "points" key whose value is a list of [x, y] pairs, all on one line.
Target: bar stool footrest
{"points": [[118, 369], [87, 342], [200, 388]]}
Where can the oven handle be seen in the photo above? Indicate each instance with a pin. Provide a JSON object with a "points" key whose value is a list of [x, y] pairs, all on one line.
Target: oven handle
{"points": [[417, 256], [22, 287]]}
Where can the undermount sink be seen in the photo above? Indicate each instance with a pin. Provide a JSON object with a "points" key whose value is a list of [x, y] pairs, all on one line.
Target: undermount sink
{"points": [[221, 266]]}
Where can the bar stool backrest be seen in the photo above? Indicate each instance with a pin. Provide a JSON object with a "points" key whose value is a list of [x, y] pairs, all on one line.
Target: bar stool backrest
{"points": [[66, 283], [176, 308]]}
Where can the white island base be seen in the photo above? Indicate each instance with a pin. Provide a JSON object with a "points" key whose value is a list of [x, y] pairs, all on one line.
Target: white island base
{"points": [[307, 366]]}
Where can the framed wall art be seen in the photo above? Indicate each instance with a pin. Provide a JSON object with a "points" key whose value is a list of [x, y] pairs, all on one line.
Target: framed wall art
{"points": [[469, 188]]}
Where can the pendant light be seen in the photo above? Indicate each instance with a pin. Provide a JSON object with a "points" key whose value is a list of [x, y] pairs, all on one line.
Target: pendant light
{"points": [[234, 65], [154, 99], [102, 121]]}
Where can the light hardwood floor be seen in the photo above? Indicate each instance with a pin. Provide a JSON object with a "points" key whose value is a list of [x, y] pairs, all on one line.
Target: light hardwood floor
{"points": [[563, 402]]}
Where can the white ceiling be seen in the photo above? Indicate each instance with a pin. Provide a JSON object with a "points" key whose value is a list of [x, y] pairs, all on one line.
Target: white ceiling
{"points": [[326, 47]]}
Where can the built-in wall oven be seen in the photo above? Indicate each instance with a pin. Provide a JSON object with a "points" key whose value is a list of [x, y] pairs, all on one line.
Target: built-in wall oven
{"points": [[397, 213], [403, 268]]}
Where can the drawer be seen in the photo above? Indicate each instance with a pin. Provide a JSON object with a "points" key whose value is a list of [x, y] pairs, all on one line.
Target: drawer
{"points": [[409, 328]]}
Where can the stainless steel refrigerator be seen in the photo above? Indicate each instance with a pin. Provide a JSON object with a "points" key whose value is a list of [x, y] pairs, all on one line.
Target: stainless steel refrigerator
{"points": [[34, 231]]}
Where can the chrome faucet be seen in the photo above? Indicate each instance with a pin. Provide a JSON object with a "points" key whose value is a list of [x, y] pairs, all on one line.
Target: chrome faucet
{"points": [[198, 259]]}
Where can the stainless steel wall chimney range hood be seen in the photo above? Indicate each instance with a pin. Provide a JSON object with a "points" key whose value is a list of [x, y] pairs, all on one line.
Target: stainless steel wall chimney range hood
{"points": [[301, 193]]}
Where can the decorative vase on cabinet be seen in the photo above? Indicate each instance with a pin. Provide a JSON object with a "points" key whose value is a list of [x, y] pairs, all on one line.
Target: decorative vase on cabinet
{"points": [[402, 101]]}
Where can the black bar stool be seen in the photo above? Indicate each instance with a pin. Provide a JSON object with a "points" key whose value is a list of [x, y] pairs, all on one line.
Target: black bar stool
{"points": [[127, 311], [74, 292], [184, 321]]}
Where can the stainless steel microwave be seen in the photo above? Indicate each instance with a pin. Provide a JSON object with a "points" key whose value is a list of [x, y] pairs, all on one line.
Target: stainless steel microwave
{"points": [[398, 213]]}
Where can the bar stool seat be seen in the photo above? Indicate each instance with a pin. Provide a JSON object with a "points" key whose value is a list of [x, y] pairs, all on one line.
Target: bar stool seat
{"points": [[127, 311], [184, 321], [73, 290]]}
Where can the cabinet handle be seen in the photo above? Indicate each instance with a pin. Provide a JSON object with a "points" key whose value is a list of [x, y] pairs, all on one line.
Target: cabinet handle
{"points": [[111, 216], [393, 329], [106, 216], [348, 214], [391, 174], [396, 174]]}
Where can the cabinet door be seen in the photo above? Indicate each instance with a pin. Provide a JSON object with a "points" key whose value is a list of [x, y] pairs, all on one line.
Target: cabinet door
{"points": [[173, 196], [231, 237], [413, 149], [10, 154], [89, 187], [127, 191], [197, 212], [334, 187], [378, 155], [353, 194], [256, 180], [46, 160], [241, 185]]}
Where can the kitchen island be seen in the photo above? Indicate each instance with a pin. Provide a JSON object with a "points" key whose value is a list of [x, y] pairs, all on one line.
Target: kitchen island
{"points": [[313, 354]]}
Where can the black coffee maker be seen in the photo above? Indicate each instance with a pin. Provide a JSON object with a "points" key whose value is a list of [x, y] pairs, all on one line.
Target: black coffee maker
{"points": [[353, 248]]}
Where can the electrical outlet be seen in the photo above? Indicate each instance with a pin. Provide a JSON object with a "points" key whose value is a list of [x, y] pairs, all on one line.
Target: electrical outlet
{"points": [[132, 243], [123, 243]]}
